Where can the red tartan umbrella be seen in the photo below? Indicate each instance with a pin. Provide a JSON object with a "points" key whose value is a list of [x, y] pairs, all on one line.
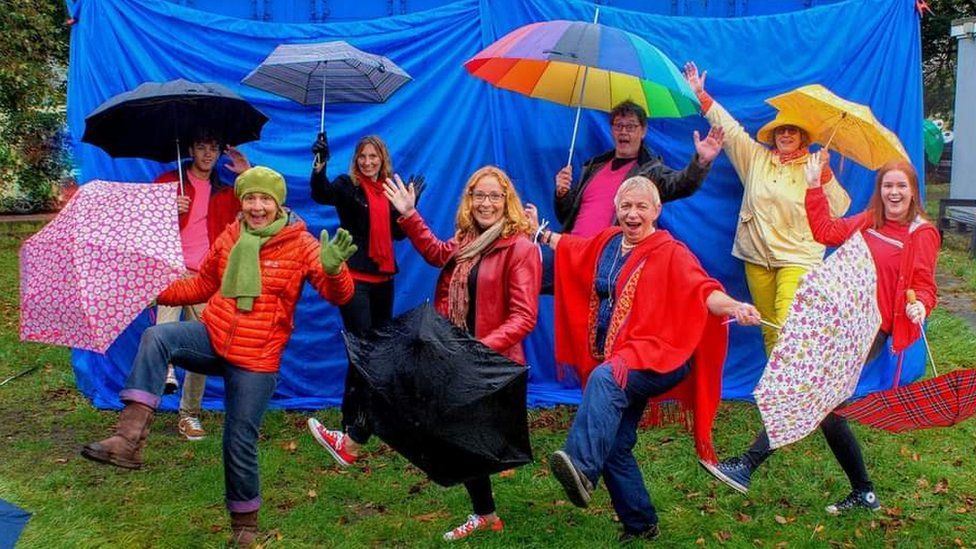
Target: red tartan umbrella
{"points": [[936, 402]]}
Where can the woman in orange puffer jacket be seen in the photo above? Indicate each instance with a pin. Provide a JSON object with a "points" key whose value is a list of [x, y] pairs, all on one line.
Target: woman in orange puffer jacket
{"points": [[251, 279]]}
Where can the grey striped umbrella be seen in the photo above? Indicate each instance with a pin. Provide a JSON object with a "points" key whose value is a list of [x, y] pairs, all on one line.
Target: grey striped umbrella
{"points": [[327, 72]]}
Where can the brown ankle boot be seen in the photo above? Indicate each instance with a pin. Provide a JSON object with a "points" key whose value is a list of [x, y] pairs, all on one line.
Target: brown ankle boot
{"points": [[124, 448], [244, 529]]}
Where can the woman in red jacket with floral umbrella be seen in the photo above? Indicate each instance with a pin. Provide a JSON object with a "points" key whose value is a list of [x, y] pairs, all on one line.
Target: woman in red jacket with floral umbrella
{"points": [[905, 249], [489, 284]]}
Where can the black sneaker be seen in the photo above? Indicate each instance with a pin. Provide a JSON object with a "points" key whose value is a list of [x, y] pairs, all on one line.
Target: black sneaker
{"points": [[735, 472], [857, 498], [646, 535], [578, 488]]}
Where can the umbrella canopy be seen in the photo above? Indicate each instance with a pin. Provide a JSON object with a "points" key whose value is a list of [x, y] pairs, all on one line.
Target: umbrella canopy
{"points": [[935, 402], [301, 72], [847, 127], [549, 60], [933, 141], [817, 361], [153, 119], [450, 405], [90, 272], [12, 522]]}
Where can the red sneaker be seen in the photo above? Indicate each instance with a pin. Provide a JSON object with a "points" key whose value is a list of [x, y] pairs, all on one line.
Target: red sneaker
{"points": [[333, 441], [474, 522]]}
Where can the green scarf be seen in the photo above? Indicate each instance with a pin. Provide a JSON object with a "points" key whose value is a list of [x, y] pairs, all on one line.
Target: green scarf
{"points": [[242, 278]]}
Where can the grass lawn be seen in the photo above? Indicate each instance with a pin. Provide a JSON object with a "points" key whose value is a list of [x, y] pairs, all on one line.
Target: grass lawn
{"points": [[925, 480]]}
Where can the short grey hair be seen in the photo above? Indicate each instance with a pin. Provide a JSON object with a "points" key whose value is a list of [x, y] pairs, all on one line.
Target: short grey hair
{"points": [[637, 183]]}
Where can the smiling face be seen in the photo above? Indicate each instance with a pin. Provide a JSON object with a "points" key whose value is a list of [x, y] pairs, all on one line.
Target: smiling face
{"points": [[637, 210], [487, 201], [204, 155], [628, 134], [369, 161], [259, 209], [896, 195], [788, 138]]}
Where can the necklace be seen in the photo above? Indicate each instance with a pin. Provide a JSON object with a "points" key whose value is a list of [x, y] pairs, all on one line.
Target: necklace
{"points": [[614, 273]]}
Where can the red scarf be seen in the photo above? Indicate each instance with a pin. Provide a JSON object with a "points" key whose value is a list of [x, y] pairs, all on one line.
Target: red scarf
{"points": [[661, 337], [786, 158], [380, 234]]}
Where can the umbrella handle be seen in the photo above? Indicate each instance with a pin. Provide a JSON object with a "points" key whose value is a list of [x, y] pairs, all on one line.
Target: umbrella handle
{"points": [[179, 165]]}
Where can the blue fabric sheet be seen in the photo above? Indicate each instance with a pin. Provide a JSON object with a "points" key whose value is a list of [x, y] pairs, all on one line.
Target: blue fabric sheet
{"points": [[12, 522], [446, 124]]}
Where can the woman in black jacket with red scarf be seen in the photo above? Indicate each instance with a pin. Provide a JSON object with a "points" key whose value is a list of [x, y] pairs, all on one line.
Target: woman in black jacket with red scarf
{"points": [[365, 212]]}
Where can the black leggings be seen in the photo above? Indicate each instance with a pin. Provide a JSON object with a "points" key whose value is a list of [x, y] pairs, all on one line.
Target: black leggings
{"points": [[371, 306], [479, 490], [839, 437]]}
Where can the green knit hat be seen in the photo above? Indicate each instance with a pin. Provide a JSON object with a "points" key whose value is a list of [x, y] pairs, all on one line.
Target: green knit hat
{"points": [[262, 180]]}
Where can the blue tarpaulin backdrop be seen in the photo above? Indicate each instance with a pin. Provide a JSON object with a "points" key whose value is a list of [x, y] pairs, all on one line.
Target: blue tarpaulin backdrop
{"points": [[446, 124]]}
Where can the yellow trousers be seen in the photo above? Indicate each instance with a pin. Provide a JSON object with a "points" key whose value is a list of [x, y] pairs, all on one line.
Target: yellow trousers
{"points": [[772, 293]]}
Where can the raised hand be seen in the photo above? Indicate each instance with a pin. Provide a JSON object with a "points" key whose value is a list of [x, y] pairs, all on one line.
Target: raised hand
{"points": [[320, 148], [813, 169], [238, 161], [695, 80], [334, 252], [419, 183], [533, 214], [709, 147], [403, 198]]}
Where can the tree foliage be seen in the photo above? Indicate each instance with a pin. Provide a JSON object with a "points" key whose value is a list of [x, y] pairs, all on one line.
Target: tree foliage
{"points": [[34, 46], [939, 54]]}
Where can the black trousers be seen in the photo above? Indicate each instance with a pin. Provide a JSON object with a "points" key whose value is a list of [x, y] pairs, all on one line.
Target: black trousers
{"points": [[840, 439], [371, 306], [479, 490]]}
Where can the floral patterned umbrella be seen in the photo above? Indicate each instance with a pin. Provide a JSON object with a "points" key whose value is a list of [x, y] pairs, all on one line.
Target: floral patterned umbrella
{"points": [[88, 274], [817, 361]]}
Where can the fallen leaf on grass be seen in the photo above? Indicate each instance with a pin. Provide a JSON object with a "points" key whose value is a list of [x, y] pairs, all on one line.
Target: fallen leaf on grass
{"points": [[742, 517], [61, 461], [780, 519], [941, 487], [214, 528], [962, 510], [922, 483], [700, 541], [892, 511], [313, 494], [508, 473], [722, 535], [289, 446], [431, 517]]}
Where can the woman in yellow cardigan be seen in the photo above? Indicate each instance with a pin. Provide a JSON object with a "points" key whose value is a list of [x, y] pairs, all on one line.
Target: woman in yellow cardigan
{"points": [[773, 237]]}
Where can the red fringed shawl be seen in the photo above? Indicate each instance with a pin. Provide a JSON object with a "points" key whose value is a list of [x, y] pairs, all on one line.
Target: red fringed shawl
{"points": [[669, 325]]}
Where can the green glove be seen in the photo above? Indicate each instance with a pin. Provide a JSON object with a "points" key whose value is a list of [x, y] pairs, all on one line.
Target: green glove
{"points": [[334, 252]]}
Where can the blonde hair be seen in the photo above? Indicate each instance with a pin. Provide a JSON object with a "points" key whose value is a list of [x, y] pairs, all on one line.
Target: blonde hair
{"points": [[637, 182], [386, 164], [513, 215]]}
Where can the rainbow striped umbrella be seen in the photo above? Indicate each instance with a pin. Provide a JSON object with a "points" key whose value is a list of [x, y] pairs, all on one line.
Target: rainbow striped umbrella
{"points": [[549, 60], [585, 65]]}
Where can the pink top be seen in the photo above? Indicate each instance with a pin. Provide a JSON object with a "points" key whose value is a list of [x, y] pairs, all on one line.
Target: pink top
{"points": [[886, 246], [194, 234], [596, 209]]}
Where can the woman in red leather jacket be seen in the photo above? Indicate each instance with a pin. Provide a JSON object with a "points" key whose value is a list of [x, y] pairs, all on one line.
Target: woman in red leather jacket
{"points": [[489, 284]]}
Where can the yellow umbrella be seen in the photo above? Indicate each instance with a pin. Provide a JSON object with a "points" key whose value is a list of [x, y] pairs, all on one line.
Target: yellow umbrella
{"points": [[847, 127]]}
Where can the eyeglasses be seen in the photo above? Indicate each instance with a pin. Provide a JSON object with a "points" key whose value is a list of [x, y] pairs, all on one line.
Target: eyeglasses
{"points": [[629, 128], [494, 198]]}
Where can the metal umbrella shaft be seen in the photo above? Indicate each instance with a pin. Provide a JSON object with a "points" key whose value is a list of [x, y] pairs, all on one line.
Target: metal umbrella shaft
{"points": [[579, 103]]}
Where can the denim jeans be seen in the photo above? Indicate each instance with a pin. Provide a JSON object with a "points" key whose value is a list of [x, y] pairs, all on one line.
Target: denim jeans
{"points": [[194, 384], [246, 397], [603, 435]]}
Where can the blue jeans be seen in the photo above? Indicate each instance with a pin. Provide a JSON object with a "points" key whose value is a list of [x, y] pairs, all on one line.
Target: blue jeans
{"points": [[603, 435], [246, 397]]}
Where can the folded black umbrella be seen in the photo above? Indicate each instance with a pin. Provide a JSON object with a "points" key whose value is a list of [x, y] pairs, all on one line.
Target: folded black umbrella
{"points": [[450, 405], [152, 120]]}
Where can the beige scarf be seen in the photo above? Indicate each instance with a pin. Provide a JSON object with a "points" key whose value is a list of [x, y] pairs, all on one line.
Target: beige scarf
{"points": [[470, 250]]}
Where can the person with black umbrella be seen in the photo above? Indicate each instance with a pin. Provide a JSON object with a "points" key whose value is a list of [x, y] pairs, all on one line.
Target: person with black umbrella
{"points": [[358, 199], [488, 285], [206, 207]]}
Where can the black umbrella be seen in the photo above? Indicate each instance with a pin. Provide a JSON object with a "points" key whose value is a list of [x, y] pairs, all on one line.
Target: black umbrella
{"points": [[152, 120], [450, 405]]}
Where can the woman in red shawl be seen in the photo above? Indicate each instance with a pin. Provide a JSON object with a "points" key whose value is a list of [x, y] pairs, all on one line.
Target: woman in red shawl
{"points": [[367, 215], [671, 346]]}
